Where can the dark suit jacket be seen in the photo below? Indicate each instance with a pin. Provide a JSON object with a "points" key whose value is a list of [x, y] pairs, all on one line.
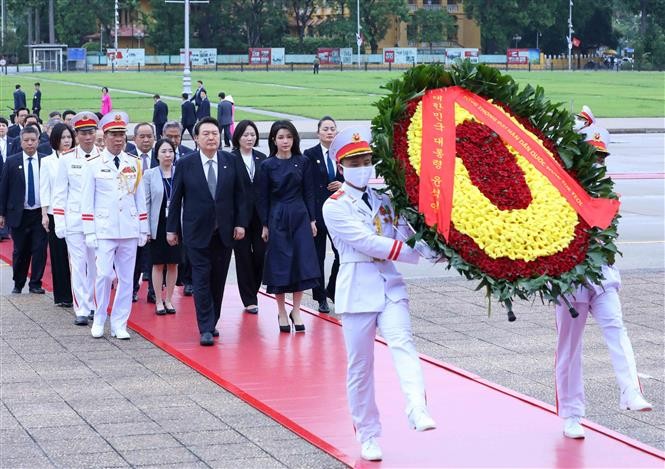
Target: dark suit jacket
{"points": [[44, 147], [225, 113], [131, 149], [252, 188], [182, 149], [199, 211], [19, 99], [160, 113], [203, 109], [13, 146], [320, 171], [12, 189], [197, 96], [37, 101], [188, 114], [14, 131]]}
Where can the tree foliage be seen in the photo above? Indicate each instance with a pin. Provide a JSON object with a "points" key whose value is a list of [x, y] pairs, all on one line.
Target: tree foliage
{"points": [[376, 16], [431, 26]]}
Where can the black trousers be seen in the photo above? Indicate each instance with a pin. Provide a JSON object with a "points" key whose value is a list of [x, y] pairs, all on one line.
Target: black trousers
{"points": [[249, 254], [184, 269], [210, 265], [190, 129], [30, 242], [143, 264], [159, 128], [62, 276], [226, 129], [320, 292]]}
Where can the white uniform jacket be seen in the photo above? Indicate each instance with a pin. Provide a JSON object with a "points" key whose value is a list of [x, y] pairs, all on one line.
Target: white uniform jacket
{"points": [[67, 189], [365, 240], [48, 173], [113, 199]]}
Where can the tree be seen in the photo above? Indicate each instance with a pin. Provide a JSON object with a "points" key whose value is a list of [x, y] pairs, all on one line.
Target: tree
{"points": [[73, 24], [377, 15], [431, 26], [262, 22], [302, 11]]}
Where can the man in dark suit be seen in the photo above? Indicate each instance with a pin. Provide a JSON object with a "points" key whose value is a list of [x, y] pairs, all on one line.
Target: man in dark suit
{"points": [[19, 98], [197, 98], [37, 100], [20, 209], [144, 137], [209, 194], [327, 181], [188, 115], [160, 115], [203, 110], [225, 118], [20, 114], [6, 148], [172, 131]]}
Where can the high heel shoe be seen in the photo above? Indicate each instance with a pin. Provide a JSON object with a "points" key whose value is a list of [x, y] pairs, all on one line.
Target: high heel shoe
{"points": [[297, 327], [286, 328]]}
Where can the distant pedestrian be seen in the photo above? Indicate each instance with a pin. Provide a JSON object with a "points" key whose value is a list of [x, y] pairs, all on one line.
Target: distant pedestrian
{"points": [[160, 115], [37, 100], [203, 110], [107, 104], [19, 98], [68, 115], [225, 118], [187, 115], [317, 64], [197, 98]]}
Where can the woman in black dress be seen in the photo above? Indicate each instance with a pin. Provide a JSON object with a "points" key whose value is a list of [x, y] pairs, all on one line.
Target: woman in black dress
{"points": [[250, 251], [158, 183], [286, 191]]}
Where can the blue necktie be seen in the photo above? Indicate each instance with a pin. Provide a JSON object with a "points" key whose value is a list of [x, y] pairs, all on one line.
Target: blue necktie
{"points": [[31, 184], [331, 169]]}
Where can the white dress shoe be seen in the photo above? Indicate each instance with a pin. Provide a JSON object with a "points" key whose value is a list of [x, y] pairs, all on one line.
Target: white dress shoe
{"points": [[420, 420], [371, 451], [121, 334], [572, 428], [97, 330], [633, 400]]}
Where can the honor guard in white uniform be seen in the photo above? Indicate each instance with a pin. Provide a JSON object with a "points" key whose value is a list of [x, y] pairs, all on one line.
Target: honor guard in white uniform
{"points": [[67, 215], [115, 221], [370, 291], [603, 303]]}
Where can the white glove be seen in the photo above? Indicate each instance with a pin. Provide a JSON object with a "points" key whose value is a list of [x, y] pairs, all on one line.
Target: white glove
{"points": [[91, 240], [60, 231], [404, 230], [143, 239], [426, 252]]}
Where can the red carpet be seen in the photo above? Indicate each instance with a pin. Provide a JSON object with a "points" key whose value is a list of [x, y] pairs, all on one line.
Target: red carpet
{"points": [[299, 381]]}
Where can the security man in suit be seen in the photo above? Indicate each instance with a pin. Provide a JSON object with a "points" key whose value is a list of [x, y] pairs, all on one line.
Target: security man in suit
{"points": [[19, 98], [225, 117], [187, 115], [37, 100], [371, 292], [20, 209], [115, 221], [67, 215], [209, 196], [327, 181], [603, 303], [20, 113], [203, 110], [160, 115]]}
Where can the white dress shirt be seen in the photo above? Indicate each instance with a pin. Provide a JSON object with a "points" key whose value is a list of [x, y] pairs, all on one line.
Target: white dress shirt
{"points": [[249, 164], [3, 147], [326, 157], [35, 172], [204, 162]]}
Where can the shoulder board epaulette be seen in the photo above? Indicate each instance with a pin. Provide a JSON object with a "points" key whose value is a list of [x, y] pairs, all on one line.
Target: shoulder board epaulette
{"points": [[132, 155], [337, 194], [93, 157]]}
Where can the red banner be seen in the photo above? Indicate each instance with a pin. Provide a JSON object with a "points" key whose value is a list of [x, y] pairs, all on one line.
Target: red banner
{"points": [[437, 172]]}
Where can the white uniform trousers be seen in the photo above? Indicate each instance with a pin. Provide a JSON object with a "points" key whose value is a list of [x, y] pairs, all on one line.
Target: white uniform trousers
{"points": [[120, 253], [359, 334], [605, 308], [82, 266]]}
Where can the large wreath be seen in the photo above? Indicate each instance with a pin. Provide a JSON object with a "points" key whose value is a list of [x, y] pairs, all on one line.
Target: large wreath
{"points": [[510, 227]]}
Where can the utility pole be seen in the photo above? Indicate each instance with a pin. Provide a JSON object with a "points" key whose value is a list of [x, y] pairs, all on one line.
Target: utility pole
{"points": [[186, 73], [358, 36], [570, 35], [2, 21], [115, 37]]}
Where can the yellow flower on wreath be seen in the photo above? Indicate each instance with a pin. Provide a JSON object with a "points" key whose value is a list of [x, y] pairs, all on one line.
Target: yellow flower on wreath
{"points": [[545, 227]]}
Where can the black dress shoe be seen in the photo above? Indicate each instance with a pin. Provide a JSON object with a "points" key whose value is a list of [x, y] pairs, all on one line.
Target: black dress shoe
{"points": [[296, 327], [252, 310], [146, 276], [188, 290], [81, 320], [91, 316], [215, 333], [17, 290], [207, 339], [135, 297], [37, 290], [323, 307], [151, 298], [65, 305]]}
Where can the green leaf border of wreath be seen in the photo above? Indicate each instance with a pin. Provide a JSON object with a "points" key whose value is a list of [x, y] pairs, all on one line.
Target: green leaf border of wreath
{"points": [[552, 119]]}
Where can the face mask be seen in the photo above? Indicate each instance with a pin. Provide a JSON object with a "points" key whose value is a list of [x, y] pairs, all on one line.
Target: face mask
{"points": [[358, 177]]}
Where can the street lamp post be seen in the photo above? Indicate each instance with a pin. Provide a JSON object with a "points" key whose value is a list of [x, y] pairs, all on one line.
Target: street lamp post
{"points": [[115, 38], [517, 38], [358, 36], [538, 35]]}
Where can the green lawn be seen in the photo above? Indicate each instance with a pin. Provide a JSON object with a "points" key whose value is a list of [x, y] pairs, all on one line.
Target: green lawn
{"points": [[344, 95]]}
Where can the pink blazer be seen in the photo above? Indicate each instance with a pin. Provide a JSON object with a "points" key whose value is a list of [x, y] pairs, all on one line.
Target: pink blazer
{"points": [[106, 104]]}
